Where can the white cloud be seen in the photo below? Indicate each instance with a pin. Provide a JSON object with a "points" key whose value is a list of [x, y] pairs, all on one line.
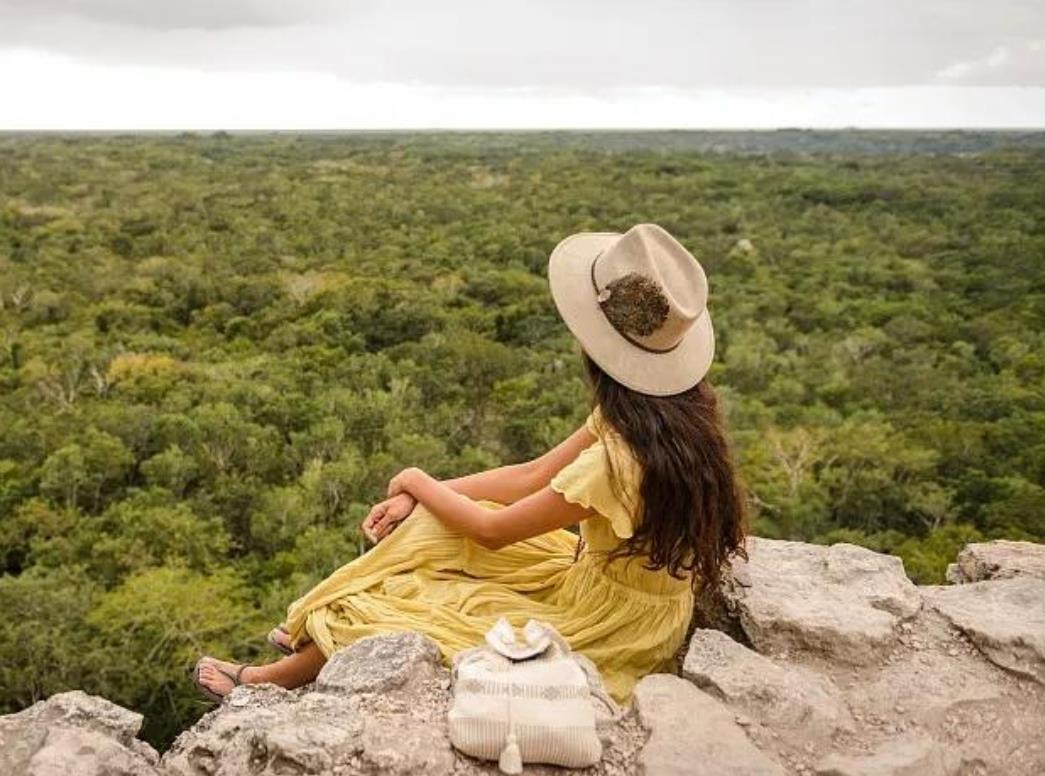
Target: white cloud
{"points": [[521, 63], [183, 14], [56, 92], [991, 64], [568, 44]]}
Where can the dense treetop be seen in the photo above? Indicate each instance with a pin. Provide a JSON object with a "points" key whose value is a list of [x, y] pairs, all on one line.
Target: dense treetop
{"points": [[216, 349]]}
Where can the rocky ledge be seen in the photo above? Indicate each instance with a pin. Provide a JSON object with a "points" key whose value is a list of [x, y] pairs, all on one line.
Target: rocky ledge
{"points": [[806, 660]]}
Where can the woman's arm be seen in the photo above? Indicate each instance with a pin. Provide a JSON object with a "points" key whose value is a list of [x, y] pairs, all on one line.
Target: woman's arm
{"points": [[504, 484], [533, 515], [508, 484]]}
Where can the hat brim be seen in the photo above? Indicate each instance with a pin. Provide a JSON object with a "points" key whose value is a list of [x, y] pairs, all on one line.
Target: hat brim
{"points": [[657, 374]]}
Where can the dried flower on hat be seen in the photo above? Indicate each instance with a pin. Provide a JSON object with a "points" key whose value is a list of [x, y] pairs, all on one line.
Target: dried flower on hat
{"points": [[635, 304]]}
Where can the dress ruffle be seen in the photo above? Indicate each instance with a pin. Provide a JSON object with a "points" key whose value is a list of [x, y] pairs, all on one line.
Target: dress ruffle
{"points": [[586, 480], [583, 481]]}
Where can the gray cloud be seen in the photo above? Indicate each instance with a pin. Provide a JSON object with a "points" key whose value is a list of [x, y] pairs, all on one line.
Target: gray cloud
{"points": [[163, 15], [557, 45]]}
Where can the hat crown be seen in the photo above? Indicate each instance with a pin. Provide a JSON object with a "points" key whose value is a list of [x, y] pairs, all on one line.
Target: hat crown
{"points": [[650, 287]]}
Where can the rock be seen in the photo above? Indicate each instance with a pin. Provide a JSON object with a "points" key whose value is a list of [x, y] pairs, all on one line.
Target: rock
{"points": [[402, 746], [1001, 559], [909, 755], [840, 601], [74, 733], [692, 733], [329, 729], [790, 696], [271, 731], [1004, 618], [378, 708], [380, 664], [929, 690], [936, 705]]}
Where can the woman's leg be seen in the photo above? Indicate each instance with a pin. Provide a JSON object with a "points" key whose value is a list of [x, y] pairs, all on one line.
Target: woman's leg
{"points": [[290, 672]]}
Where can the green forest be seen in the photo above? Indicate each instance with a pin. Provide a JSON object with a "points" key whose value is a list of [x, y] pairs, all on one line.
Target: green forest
{"points": [[216, 349]]}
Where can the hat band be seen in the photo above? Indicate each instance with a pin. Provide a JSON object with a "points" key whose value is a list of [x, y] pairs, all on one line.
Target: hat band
{"points": [[621, 332]]}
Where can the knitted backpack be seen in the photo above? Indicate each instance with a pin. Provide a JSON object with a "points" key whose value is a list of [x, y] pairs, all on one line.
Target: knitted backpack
{"points": [[528, 700]]}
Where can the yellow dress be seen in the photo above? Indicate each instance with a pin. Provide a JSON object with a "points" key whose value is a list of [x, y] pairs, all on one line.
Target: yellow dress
{"points": [[628, 620]]}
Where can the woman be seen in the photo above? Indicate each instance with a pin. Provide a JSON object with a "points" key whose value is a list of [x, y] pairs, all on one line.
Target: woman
{"points": [[648, 477]]}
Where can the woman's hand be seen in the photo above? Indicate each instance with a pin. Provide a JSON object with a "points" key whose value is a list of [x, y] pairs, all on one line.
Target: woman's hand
{"points": [[387, 515], [402, 482]]}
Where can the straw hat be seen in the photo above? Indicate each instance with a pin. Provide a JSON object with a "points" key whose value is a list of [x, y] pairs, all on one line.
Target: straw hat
{"points": [[637, 303]]}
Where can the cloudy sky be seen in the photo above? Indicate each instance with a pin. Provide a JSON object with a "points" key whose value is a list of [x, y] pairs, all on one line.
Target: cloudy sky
{"points": [[148, 64]]}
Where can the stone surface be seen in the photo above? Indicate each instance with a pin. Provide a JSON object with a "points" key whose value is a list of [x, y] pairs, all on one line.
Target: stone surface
{"points": [[1005, 618], [404, 746], [841, 601], [911, 755], [266, 730], [946, 689], [694, 734], [74, 733], [1001, 559], [380, 663], [787, 696], [378, 707]]}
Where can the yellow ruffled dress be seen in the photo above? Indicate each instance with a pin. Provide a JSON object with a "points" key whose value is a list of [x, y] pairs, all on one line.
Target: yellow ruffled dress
{"points": [[628, 620]]}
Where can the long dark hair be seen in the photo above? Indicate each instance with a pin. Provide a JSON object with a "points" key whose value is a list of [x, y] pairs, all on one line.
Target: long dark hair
{"points": [[694, 507]]}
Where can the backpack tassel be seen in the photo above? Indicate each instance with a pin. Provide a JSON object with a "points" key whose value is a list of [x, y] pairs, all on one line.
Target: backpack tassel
{"points": [[511, 760]]}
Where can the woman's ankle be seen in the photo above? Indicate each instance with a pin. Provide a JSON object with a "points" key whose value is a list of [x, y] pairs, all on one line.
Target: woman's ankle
{"points": [[254, 675]]}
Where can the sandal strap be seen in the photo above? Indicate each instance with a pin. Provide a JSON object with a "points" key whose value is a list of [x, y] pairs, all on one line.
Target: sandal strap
{"points": [[234, 678]]}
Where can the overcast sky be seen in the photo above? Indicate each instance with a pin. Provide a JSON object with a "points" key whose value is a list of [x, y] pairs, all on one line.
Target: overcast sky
{"points": [[543, 63]]}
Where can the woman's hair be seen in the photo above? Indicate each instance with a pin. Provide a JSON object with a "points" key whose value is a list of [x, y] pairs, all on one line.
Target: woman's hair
{"points": [[694, 508]]}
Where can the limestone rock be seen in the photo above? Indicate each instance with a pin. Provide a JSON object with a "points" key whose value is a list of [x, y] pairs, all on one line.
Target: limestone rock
{"points": [[378, 708], [840, 601], [929, 684], [394, 661], [1001, 559], [326, 729], [403, 746], [263, 729], [791, 696], [911, 755], [928, 701], [74, 733], [694, 734], [1004, 618]]}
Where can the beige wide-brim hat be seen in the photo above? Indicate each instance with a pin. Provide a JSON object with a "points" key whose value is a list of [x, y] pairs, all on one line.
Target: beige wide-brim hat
{"points": [[637, 304]]}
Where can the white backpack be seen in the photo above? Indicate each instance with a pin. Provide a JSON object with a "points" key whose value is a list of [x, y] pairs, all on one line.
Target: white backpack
{"points": [[527, 700]]}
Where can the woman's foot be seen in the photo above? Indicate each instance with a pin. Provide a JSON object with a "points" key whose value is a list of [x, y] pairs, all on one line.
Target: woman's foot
{"points": [[280, 639], [220, 676]]}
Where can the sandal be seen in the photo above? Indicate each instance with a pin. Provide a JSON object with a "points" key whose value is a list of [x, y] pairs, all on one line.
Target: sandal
{"points": [[271, 639], [209, 693]]}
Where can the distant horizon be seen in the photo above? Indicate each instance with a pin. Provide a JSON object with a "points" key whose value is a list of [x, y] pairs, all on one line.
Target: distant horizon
{"points": [[506, 130]]}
